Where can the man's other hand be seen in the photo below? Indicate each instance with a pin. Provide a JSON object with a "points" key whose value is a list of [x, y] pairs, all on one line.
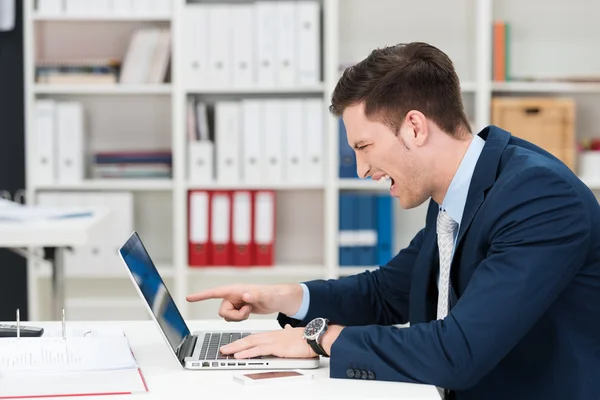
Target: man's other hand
{"points": [[288, 343]]}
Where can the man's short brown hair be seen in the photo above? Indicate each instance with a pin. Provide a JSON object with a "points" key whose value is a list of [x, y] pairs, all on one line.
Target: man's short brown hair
{"points": [[394, 80]]}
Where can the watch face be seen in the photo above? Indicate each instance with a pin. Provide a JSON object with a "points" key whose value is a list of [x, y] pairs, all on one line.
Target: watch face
{"points": [[314, 327]]}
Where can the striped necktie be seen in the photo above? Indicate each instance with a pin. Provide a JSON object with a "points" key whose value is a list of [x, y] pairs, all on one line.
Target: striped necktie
{"points": [[445, 238]]}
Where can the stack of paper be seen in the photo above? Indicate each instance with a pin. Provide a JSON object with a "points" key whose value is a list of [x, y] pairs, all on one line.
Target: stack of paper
{"points": [[84, 362]]}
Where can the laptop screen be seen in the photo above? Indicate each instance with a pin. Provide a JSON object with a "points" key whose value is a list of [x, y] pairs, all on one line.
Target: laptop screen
{"points": [[154, 291]]}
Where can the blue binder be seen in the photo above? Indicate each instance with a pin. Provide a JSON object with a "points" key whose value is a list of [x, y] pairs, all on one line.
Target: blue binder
{"points": [[385, 233], [347, 223], [347, 158], [365, 254]]}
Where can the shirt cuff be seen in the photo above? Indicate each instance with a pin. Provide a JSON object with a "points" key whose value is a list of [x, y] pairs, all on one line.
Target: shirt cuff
{"points": [[303, 310]]}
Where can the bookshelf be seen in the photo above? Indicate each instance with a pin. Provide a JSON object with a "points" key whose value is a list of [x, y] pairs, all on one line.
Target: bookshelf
{"points": [[147, 116]]}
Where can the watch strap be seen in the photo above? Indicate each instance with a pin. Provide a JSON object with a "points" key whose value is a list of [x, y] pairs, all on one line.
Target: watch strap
{"points": [[317, 348]]}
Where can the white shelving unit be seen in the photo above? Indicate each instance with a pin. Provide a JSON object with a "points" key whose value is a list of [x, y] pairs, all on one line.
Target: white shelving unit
{"points": [[307, 217]]}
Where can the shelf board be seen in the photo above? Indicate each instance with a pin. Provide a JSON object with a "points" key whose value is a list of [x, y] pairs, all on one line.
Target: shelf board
{"points": [[546, 87], [258, 90], [277, 270], [349, 270], [247, 186], [100, 18], [102, 89], [363, 184], [112, 184]]}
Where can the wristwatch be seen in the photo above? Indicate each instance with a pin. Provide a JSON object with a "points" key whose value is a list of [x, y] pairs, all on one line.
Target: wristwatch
{"points": [[313, 333]]}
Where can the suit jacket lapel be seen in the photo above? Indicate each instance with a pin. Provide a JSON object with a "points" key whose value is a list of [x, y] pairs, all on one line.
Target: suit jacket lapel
{"points": [[484, 175]]}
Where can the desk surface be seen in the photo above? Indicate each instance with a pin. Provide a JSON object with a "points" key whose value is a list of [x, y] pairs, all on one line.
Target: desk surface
{"points": [[49, 233], [167, 380]]}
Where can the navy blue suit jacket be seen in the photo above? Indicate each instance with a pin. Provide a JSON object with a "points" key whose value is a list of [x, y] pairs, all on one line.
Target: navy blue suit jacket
{"points": [[524, 321]]}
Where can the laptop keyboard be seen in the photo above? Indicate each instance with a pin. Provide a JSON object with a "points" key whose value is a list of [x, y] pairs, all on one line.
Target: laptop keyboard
{"points": [[213, 341]]}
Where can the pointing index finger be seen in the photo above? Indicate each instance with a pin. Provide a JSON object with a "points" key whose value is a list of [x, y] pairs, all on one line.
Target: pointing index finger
{"points": [[216, 293]]}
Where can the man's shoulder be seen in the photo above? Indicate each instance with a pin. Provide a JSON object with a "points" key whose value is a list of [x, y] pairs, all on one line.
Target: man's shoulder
{"points": [[522, 159]]}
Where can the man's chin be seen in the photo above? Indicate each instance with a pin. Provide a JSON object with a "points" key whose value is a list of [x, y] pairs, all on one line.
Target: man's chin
{"points": [[407, 203]]}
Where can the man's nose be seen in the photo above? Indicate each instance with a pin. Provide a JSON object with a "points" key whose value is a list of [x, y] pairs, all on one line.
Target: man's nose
{"points": [[362, 168]]}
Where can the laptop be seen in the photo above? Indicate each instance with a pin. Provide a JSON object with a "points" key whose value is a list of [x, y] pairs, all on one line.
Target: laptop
{"points": [[193, 350]]}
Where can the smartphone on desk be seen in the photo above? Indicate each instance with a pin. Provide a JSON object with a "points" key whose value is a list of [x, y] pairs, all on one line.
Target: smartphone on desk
{"points": [[257, 378]]}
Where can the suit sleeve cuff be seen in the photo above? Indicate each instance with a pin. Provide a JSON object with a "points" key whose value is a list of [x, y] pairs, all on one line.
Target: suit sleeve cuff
{"points": [[297, 318]]}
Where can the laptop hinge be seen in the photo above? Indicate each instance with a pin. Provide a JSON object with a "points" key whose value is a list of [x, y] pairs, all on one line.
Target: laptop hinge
{"points": [[186, 348]]}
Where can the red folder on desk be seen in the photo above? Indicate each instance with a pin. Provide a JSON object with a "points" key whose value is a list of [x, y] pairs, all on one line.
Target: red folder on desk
{"points": [[242, 228], [264, 227], [198, 228], [220, 228]]}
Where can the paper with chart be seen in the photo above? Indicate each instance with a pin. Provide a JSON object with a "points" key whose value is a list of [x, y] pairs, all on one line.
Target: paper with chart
{"points": [[65, 355]]}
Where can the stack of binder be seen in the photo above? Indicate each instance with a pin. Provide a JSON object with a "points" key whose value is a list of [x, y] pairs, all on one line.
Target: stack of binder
{"points": [[58, 137], [231, 228], [265, 44], [256, 141], [366, 237]]}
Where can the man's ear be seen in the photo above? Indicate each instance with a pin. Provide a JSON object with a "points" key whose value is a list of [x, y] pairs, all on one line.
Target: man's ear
{"points": [[415, 129]]}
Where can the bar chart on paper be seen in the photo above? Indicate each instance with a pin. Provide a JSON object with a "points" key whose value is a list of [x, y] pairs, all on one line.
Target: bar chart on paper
{"points": [[65, 354]]}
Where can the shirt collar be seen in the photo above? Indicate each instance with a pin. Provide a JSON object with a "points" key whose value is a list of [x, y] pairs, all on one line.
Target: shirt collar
{"points": [[456, 197]]}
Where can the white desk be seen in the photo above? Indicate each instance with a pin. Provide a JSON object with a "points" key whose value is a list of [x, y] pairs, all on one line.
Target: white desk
{"points": [[54, 236], [166, 379]]}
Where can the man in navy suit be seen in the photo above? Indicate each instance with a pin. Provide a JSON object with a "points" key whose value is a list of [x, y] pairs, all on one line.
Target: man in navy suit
{"points": [[501, 286]]}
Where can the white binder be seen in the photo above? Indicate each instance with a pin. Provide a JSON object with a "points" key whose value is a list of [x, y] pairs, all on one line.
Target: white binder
{"points": [[243, 26], [195, 45], [274, 141], [200, 162], [295, 169], [227, 139], [70, 142], [220, 57], [45, 142], [286, 62], [315, 139], [252, 141], [266, 13], [309, 34]]}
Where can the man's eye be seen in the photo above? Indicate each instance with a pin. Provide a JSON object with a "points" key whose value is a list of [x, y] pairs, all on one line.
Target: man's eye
{"points": [[361, 147]]}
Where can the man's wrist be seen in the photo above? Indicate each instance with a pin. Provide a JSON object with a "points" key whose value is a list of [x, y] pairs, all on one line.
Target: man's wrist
{"points": [[291, 298], [330, 336]]}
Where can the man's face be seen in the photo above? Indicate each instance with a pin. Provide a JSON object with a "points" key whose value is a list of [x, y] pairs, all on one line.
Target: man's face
{"points": [[380, 152]]}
